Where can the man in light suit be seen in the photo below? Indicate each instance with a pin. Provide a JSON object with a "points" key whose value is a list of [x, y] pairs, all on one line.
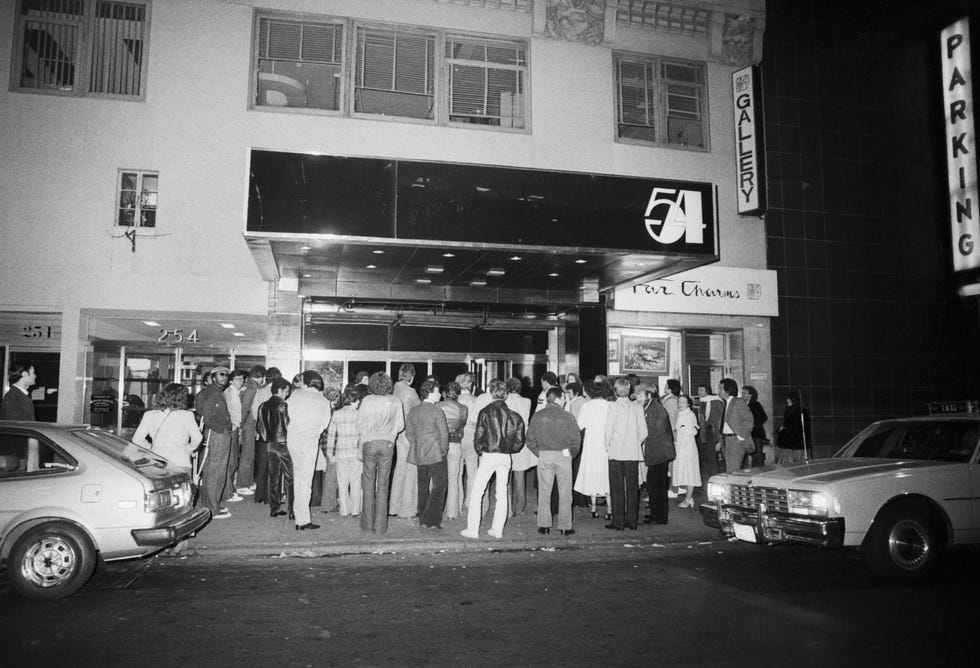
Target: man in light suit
{"points": [[736, 425]]}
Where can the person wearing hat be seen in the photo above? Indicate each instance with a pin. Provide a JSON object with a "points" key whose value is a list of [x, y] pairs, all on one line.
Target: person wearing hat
{"points": [[210, 404]]}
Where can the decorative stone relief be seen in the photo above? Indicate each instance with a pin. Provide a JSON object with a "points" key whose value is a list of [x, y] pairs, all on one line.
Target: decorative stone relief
{"points": [[576, 20], [737, 37]]}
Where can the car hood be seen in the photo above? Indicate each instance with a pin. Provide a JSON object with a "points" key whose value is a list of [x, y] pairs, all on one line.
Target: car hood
{"points": [[824, 471]]}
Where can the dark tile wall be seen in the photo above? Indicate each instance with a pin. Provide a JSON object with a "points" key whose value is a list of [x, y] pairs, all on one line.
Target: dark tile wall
{"points": [[870, 324]]}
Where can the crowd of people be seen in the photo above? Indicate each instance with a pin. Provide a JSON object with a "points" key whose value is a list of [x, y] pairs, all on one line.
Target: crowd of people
{"points": [[378, 448]]}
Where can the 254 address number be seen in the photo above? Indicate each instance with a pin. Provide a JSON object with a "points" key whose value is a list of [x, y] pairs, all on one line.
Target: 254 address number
{"points": [[178, 336]]}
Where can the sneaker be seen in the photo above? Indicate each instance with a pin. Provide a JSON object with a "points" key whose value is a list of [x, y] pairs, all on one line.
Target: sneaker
{"points": [[671, 494], [221, 514], [466, 533], [494, 534], [234, 498], [252, 486], [244, 491]]}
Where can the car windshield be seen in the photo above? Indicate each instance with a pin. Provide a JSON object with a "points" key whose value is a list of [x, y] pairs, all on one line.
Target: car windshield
{"points": [[120, 449], [929, 441]]}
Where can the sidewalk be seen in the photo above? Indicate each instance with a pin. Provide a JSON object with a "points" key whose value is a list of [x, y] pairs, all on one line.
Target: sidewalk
{"points": [[250, 532]]}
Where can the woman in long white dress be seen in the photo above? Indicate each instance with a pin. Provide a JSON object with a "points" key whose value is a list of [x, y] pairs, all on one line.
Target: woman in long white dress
{"points": [[169, 429], [593, 470], [687, 471]]}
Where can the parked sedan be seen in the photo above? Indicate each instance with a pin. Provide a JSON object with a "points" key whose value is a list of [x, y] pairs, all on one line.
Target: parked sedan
{"points": [[70, 495], [901, 491]]}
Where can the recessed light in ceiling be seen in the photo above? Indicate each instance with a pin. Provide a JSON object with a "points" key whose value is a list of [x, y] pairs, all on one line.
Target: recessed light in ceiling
{"points": [[238, 334], [482, 189], [433, 269], [449, 254], [305, 248], [580, 261], [378, 251], [228, 325], [495, 271], [515, 258], [306, 276], [371, 266], [553, 274], [423, 281], [151, 323], [478, 283]]}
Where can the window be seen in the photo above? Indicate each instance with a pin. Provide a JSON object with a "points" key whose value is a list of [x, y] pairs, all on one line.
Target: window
{"points": [[136, 203], [394, 73], [661, 102], [299, 64], [82, 47], [486, 81], [22, 453]]}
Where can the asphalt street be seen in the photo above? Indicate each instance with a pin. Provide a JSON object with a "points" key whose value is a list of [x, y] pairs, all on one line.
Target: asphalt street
{"points": [[694, 604]]}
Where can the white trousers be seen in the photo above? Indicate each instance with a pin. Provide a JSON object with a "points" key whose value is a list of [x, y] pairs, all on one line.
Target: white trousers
{"points": [[349, 485], [404, 500], [454, 496], [490, 463]]}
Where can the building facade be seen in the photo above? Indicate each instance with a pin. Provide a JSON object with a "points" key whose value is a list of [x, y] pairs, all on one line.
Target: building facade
{"points": [[498, 187]]}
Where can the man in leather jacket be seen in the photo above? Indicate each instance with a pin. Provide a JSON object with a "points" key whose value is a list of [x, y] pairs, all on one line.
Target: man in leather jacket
{"points": [[499, 434], [271, 428]]}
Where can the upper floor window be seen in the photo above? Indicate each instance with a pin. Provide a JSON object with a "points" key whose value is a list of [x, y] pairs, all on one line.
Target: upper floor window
{"points": [[82, 47], [299, 64], [661, 101], [395, 73], [136, 199], [486, 81]]}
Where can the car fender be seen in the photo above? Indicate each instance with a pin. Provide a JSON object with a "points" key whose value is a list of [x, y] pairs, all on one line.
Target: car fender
{"points": [[944, 527], [36, 516]]}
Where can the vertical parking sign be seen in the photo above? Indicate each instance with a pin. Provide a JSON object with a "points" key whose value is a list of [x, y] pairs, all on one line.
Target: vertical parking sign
{"points": [[961, 159]]}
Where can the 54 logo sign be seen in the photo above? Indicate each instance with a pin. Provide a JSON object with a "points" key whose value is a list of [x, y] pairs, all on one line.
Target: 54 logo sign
{"points": [[672, 213]]}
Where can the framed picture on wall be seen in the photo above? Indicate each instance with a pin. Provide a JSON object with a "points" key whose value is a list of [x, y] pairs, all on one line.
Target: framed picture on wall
{"points": [[644, 355]]}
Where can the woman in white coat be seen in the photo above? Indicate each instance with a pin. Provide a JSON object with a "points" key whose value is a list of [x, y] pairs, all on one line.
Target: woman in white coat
{"points": [[170, 430], [309, 415], [593, 469]]}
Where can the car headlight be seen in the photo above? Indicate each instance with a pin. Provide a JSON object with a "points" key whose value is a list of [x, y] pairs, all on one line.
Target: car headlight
{"points": [[803, 502], [718, 491]]}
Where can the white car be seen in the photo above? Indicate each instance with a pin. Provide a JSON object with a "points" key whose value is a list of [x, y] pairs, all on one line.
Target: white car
{"points": [[901, 491], [70, 495]]}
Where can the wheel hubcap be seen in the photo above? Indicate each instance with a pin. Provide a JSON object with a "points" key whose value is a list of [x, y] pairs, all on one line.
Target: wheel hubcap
{"points": [[908, 544], [51, 561]]}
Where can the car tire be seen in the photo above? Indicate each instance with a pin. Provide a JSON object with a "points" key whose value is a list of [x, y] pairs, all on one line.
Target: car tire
{"points": [[903, 543], [51, 561]]}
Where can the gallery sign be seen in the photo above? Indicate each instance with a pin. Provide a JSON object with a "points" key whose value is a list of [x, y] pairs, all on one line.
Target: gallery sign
{"points": [[709, 290], [961, 160], [748, 144]]}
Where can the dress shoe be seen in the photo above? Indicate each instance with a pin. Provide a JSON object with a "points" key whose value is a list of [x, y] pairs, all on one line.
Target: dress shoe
{"points": [[544, 530], [277, 513], [650, 520], [613, 527], [631, 527], [566, 532], [308, 525]]}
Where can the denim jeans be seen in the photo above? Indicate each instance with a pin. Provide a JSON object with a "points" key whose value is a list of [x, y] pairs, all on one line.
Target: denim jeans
{"points": [[246, 461], [234, 452], [554, 466], [432, 501], [374, 485]]}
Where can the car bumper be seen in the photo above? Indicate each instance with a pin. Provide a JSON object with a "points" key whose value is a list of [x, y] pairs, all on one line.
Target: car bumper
{"points": [[761, 527], [171, 533]]}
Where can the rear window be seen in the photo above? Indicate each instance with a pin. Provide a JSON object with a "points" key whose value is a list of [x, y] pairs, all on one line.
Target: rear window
{"points": [[927, 441], [121, 450]]}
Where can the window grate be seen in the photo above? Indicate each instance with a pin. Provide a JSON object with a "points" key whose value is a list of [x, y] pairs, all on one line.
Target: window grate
{"points": [[394, 73], [486, 81]]}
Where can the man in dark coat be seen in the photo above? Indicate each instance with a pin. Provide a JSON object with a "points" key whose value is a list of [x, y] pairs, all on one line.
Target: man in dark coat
{"points": [[17, 403], [658, 451]]}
